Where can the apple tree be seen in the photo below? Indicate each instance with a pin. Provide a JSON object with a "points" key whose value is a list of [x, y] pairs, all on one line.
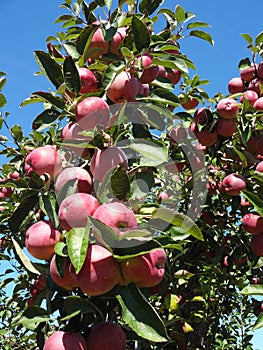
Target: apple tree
{"points": [[132, 213]]}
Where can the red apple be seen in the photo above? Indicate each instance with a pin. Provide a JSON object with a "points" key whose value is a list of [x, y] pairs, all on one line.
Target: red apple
{"points": [[206, 138], [61, 340], [225, 127], [144, 89], [177, 134], [75, 209], [67, 281], [260, 70], [190, 103], [233, 184], [99, 273], [115, 42], [106, 336], [88, 80], [250, 95], [43, 160], [174, 75], [236, 85], [117, 216], [78, 174], [247, 74], [201, 116], [253, 223], [227, 108], [258, 105], [256, 85], [98, 46], [125, 87], [41, 238], [146, 270], [92, 112], [70, 134], [256, 244], [105, 160], [174, 167], [259, 167], [259, 144]]}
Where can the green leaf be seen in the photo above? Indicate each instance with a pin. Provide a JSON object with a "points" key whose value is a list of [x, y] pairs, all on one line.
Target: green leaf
{"points": [[21, 212], [104, 233], [110, 73], [152, 154], [241, 156], [48, 204], [71, 50], [140, 33], [202, 35], [182, 222], [108, 4], [259, 323], [141, 184], [71, 75], [176, 63], [253, 289], [248, 38], [75, 305], [162, 96], [2, 83], [46, 118], [24, 259], [17, 132], [179, 13], [254, 200], [138, 313], [149, 6], [63, 18], [78, 240], [2, 100], [120, 183], [83, 43], [198, 25], [32, 317], [47, 97], [259, 38], [49, 67]]}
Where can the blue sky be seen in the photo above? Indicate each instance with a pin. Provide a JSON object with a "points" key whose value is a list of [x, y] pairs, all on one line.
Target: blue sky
{"points": [[24, 27]]}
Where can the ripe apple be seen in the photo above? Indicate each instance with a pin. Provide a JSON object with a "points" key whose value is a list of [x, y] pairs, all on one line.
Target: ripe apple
{"points": [[256, 244], [88, 80], [106, 336], [258, 105], [236, 85], [115, 42], [247, 74], [227, 108], [259, 144], [92, 112], [250, 95], [150, 71], [125, 87], [98, 46], [202, 116], [177, 134], [70, 134], [80, 175], [259, 167], [117, 216], [43, 160], [225, 127], [174, 75], [206, 138], [190, 103], [104, 160], [67, 281], [259, 70], [99, 273], [208, 217], [61, 340], [253, 223], [75, 209], [146, 270], [256, 85], [41, 238], [233, 184], [144, 89]]}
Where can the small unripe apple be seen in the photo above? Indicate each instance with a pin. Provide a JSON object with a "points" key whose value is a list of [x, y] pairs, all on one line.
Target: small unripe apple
{"points": [[43, 160], [106, 336], [78, 174], [92, 112], [146, 270], [250, 95], [227, 108], [75, 209], [236, 85], [67, 281], [253, 223], [256, 244], [61, 340], [233, 184], [99, 273], [104, 160], [117, 216], [41, 238], [125, 87], [225, 127]]}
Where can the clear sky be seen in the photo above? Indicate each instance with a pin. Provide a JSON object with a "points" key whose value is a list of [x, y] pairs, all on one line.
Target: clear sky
{"points": [[24, 26]]}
